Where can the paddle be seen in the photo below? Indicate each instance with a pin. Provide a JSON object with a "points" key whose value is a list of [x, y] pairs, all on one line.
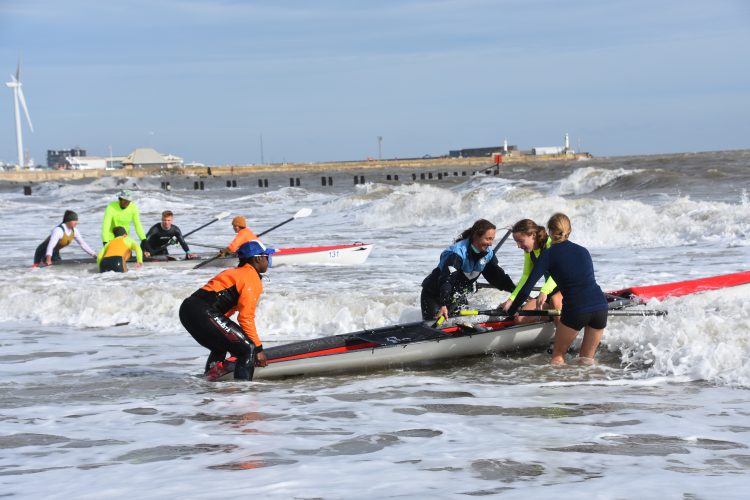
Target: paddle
{"points": [[555, 312], [172, 240], [217, 247], [502, 240], [304, 212], [618, 312]]}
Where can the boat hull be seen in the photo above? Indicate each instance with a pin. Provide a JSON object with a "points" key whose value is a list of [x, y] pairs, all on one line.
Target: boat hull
{"points": [[344, 354], [417, 343]]}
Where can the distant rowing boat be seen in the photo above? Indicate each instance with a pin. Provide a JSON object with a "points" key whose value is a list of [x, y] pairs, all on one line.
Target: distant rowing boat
{"points": [[348, 255]]}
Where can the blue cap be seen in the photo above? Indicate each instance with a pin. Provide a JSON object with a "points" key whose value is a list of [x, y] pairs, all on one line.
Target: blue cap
{"points": [[253, 248]]}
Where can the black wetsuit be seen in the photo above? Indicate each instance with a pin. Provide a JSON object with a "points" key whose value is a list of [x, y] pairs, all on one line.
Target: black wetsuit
{"points": [[158, 239], [571, 267], [448, 284]]}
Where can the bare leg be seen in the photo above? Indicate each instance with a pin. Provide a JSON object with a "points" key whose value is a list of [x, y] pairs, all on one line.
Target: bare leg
{"points": [[555, 302], [528, 306], [564, 336], [591, 339]]}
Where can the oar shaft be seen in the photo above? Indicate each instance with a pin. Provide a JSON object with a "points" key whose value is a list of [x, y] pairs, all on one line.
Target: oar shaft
{"points": [[301, 213], [636, 312], [199, 228], [276, 226], [555, 312], [502, 240], [217, 247]]}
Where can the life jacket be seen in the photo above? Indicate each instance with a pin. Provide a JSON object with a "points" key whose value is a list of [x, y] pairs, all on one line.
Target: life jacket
{"points": [[66, 238], [243, 236], [118, 248], [62, 242], [471, 267]]}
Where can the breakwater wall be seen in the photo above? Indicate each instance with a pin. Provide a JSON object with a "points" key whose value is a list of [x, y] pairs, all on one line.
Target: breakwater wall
{"points": [[30, 176]]}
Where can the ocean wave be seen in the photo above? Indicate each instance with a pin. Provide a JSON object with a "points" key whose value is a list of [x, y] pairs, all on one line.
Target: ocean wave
{"points": [[704, 337], [589, 179]]}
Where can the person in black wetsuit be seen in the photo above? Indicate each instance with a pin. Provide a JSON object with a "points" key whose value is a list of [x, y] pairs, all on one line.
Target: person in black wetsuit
{"points": [[584, 303], [445, 290], [161, 235]]}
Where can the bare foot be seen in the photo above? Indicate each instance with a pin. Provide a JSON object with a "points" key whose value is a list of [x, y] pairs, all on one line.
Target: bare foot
{"points": [[557, 361], [585, 361]]}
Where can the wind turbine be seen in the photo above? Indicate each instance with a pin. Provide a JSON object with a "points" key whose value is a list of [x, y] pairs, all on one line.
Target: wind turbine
{"points": [[15, 84]]}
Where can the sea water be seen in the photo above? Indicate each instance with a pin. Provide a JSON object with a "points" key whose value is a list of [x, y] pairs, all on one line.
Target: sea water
{"points": [[90, 409]]}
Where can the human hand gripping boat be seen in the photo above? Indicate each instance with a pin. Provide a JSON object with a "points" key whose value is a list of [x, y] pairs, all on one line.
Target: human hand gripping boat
{"points": [[420, 342]]}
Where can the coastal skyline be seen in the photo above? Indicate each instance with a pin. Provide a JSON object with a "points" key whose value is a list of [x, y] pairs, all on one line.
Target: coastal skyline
{"points": [[336, 80]]}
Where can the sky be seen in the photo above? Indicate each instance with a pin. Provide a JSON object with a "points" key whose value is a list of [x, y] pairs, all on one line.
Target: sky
{"points": [[231, 82]]}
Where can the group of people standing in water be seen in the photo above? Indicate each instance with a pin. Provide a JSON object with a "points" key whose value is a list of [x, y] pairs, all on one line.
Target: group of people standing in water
{"points": [[117, 246], [569, 286]]}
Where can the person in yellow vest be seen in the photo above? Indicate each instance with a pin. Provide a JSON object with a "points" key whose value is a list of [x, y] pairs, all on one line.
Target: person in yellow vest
{"points": [[60, 237], [121, 213], [115, 254]]}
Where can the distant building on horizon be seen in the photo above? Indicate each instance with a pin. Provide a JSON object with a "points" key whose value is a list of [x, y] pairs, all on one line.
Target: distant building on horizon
{"points": [[149, 157], [94, 162], [480, 152], [56, 158]]}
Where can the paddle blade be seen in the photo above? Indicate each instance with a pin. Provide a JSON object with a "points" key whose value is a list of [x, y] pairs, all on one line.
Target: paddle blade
{"points": [[222, 215], [304, 212]]}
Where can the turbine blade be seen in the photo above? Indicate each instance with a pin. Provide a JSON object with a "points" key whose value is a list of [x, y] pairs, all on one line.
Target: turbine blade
{"points": [[25, 109]]}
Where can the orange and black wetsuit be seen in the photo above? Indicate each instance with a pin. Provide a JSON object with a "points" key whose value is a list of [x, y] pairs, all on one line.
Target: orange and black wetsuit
{"points": [[205, 315]]}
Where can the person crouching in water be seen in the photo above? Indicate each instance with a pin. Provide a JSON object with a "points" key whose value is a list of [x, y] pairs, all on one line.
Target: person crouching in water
{"points": [[446, 289], [533, 240], [205, 314], [60, 237], [584, 303], [115, 254]]}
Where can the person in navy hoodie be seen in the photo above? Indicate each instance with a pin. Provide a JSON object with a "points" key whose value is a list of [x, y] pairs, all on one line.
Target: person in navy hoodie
{"points": [[584, 304], [446, 289]]}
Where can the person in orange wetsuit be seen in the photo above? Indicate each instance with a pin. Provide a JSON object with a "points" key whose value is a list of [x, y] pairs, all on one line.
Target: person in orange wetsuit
{"points": [[244, 234], [206, 313]]}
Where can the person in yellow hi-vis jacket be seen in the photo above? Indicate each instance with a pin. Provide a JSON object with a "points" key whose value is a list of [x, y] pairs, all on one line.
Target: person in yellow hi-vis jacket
{"points": [[115, 254], [121, 213]]}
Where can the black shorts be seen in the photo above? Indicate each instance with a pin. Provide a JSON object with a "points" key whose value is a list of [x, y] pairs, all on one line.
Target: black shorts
{"points": [[114, 263], [576, 321]]}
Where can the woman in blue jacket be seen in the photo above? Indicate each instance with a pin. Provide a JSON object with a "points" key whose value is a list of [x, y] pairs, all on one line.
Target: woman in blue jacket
{"points": [[445, 290], [584, 304]]}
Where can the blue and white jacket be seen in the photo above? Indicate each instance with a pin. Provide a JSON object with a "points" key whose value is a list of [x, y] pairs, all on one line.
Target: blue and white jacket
{"points": [[459, 267]]}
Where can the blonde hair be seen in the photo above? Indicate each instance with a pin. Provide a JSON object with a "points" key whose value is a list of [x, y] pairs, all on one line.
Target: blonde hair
{"points": [[559, 227]]}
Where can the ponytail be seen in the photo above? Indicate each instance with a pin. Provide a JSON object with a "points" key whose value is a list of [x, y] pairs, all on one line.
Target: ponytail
{"points": [[559, 227]]}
